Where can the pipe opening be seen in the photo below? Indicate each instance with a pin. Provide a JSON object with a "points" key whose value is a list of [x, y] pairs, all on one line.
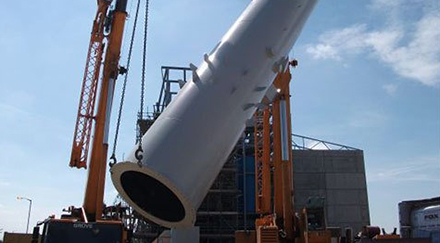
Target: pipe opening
{"points": [[152, 196]]}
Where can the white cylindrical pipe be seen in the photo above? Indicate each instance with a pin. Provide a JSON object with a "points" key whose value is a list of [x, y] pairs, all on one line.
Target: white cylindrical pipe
{"points": [[186, 147]]}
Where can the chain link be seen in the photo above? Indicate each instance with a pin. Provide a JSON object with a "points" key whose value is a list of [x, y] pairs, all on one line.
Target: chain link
{"points": [[139, 151], [113, 159]]}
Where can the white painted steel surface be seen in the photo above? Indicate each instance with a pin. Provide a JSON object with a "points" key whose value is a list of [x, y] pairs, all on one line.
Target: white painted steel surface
{"points": [[187, 146]]}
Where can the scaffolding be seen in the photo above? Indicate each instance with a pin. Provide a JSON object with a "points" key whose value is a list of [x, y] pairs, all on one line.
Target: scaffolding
{"points": [[228, 205]]}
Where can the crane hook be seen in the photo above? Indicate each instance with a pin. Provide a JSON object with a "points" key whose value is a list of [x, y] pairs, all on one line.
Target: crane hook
{"points": [[113, 160], [139, 156]]}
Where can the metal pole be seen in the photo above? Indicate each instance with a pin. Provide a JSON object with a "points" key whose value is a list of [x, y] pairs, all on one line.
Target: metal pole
{"points": [[244, 182], [29, 211], [29, 215]]}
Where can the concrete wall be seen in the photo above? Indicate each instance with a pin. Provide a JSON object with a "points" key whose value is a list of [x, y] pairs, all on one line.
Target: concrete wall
{"points": [[337, 175]]}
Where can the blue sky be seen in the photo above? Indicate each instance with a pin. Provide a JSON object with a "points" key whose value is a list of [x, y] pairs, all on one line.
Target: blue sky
{"points": [[368, 77]]}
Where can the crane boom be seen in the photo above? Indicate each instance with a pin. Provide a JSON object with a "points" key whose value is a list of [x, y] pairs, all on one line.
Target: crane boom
{"points": [[93, 199], [85, 117], [113, 23]]}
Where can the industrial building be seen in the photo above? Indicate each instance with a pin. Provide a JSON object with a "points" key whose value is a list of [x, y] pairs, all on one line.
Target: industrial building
{"points": [[336, 174], [339, 177]]}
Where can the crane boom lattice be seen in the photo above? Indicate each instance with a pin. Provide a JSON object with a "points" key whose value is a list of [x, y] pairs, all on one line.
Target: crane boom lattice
{"points": [[85, 117]]}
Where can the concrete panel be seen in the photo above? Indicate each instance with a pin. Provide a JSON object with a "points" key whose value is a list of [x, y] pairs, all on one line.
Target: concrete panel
{"points": [[341, 165], [345, 181], [361, 164], [311, 181], [337, 214], [335, 153], [365, 213], [346, 197], [301, 197], [308, 164]]}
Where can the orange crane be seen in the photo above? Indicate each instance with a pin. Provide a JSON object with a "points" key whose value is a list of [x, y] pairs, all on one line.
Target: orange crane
{"points": [[274, 174], [273, 152], [87, 224], [93, 199]]}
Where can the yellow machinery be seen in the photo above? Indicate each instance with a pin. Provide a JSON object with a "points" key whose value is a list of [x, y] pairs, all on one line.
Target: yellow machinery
{"points": [[277, 156], [274, 172]]}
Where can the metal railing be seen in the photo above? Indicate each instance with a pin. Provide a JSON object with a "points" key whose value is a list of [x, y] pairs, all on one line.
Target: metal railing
{"points": [[300, 142]]}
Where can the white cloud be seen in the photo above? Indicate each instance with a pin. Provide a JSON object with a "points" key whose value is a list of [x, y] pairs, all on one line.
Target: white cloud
{"points": [[8, 109], [391, 89], [4, 183], [420, 169], [380, 4], [410, 50], [335, 43], [15, 105], [367, 119], [324, 51]]}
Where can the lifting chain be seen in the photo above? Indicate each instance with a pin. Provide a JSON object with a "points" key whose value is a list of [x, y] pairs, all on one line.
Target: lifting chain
{"points": [[113, 159], [139, 151]]}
